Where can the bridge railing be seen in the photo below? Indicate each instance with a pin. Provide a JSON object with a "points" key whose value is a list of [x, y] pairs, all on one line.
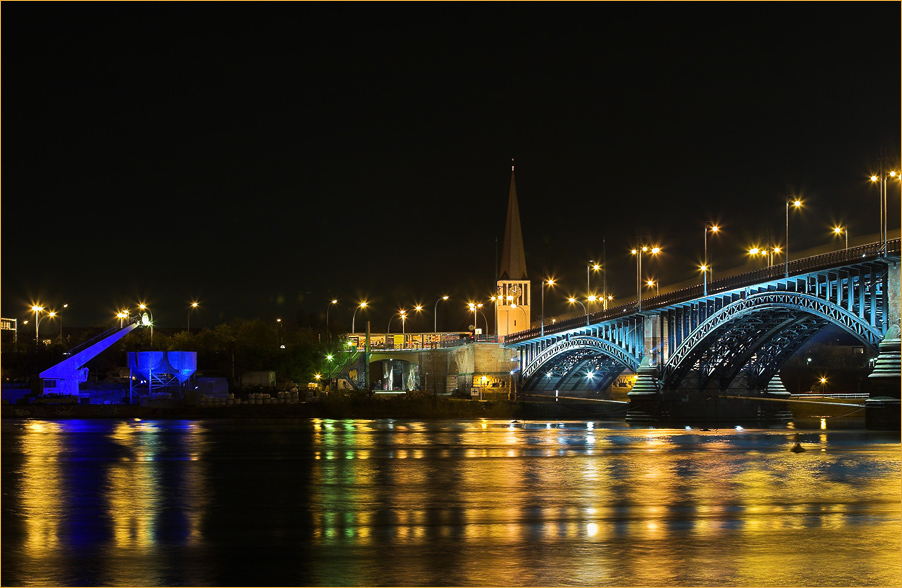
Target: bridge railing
{"points": [[868, 252]]}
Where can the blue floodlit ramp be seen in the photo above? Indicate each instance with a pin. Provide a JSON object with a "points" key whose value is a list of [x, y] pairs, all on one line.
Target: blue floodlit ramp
{"points": [[64, 377]]}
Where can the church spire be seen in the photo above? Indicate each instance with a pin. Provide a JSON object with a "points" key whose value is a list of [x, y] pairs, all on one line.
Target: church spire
{"points": [[513, 257]]}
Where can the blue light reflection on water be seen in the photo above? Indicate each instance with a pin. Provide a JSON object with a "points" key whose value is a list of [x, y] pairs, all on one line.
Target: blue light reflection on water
{"points": [[361, 502]]}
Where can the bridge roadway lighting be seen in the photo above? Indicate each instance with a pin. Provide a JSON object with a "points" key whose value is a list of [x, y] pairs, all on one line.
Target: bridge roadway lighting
{"points": [[328, 332], [839, 231], [881, 178], [122, 314], [549, 282], [354, 316], [592, 265], [797, 204], [572, 300], [524, 314], [435, 314], [706, 267], [654, 284], [400, 313], [638, 253]]}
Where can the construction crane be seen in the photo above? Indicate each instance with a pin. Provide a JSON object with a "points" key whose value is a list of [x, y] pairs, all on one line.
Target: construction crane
{"points": [[63, 378]]}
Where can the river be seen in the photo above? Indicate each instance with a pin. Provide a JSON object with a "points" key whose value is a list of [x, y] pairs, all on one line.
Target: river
{"points": [[446, 503]]}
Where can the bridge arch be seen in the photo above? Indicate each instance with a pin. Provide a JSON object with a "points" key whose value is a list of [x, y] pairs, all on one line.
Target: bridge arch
{"points": [[758, 334], [558, 366]]}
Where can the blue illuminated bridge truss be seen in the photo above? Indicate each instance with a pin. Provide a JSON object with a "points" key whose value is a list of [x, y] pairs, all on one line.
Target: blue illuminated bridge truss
{"points": [[748, 324]]}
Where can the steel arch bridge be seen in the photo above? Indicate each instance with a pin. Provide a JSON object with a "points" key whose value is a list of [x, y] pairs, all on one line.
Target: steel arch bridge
{"points": [[745, 325]]}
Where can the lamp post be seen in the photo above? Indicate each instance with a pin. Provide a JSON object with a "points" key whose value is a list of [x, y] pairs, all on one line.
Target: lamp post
{"points": [[475, 308], [796, 203], [328, 332], [36, 310], [50, 314], [143, 307], [572, 300], [596, 267], [549, 282], [638, 251], [122, 315], [190, 308], [839, 231], [281, 345], [392, 317], [707, 267], [521, 308], [435, 314], [354, 316], [654, 284]]}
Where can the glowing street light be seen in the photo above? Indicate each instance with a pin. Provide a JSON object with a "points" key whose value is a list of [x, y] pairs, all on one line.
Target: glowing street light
{"points": [[796, 204], [549, 282], [475, 306], [638, 253], [593, 266], [190, 308], [572, 300], [654, 284], [36, 308], [328, 332], [706, 267], [839, 231], [354, 316], [122, 315], [50, 314], [435, 314]]}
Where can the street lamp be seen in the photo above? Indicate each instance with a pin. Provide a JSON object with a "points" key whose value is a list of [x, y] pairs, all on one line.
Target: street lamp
{"points": [[592, 265], [797, 204], [572, 300], [839, 231], [354, 316], [281, 345], [706, 267], [143, 307], [435, 314], [475, 308], [122, 315], [654, 284], [549, 282], [50, 314], [190, 308], [328, 332], [36, 310], [638, 251]]}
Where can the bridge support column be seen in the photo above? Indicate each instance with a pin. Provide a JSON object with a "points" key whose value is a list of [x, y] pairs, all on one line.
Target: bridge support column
{"points": [[645, 396], [882, 409]]}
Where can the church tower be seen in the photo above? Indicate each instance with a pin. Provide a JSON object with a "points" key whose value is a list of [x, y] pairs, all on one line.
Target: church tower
{"points": [[513, 294]]}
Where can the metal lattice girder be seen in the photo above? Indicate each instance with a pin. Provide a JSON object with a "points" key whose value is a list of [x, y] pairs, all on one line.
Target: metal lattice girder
{"points": [[591, 344], [730, 338], [570, 372]]}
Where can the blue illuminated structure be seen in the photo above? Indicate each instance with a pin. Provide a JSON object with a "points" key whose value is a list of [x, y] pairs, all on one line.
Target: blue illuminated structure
{"points": [[64, 377]]}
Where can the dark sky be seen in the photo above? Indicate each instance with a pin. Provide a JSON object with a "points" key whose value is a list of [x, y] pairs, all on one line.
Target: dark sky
{"points": [[265, 158]]}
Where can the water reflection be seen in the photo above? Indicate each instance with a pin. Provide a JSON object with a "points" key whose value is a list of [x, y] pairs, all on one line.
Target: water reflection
{"points": [[392, 502]]}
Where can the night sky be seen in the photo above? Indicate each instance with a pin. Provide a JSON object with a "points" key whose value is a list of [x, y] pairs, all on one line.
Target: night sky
{"points": [[263, 159]]}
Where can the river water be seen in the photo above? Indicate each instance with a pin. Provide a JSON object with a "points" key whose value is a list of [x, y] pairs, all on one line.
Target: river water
{"points": [[445, 503]]}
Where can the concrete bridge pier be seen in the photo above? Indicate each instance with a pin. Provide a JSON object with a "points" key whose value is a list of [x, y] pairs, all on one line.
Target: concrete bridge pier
{"points": [[649, 402], [883, 408]]}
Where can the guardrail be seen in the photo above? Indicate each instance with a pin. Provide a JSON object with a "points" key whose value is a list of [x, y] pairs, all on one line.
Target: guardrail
{"points": [[868, 252]]}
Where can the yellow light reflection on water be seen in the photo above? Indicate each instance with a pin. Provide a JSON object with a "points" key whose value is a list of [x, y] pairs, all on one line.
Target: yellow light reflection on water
{"points": [[43, 496]]}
